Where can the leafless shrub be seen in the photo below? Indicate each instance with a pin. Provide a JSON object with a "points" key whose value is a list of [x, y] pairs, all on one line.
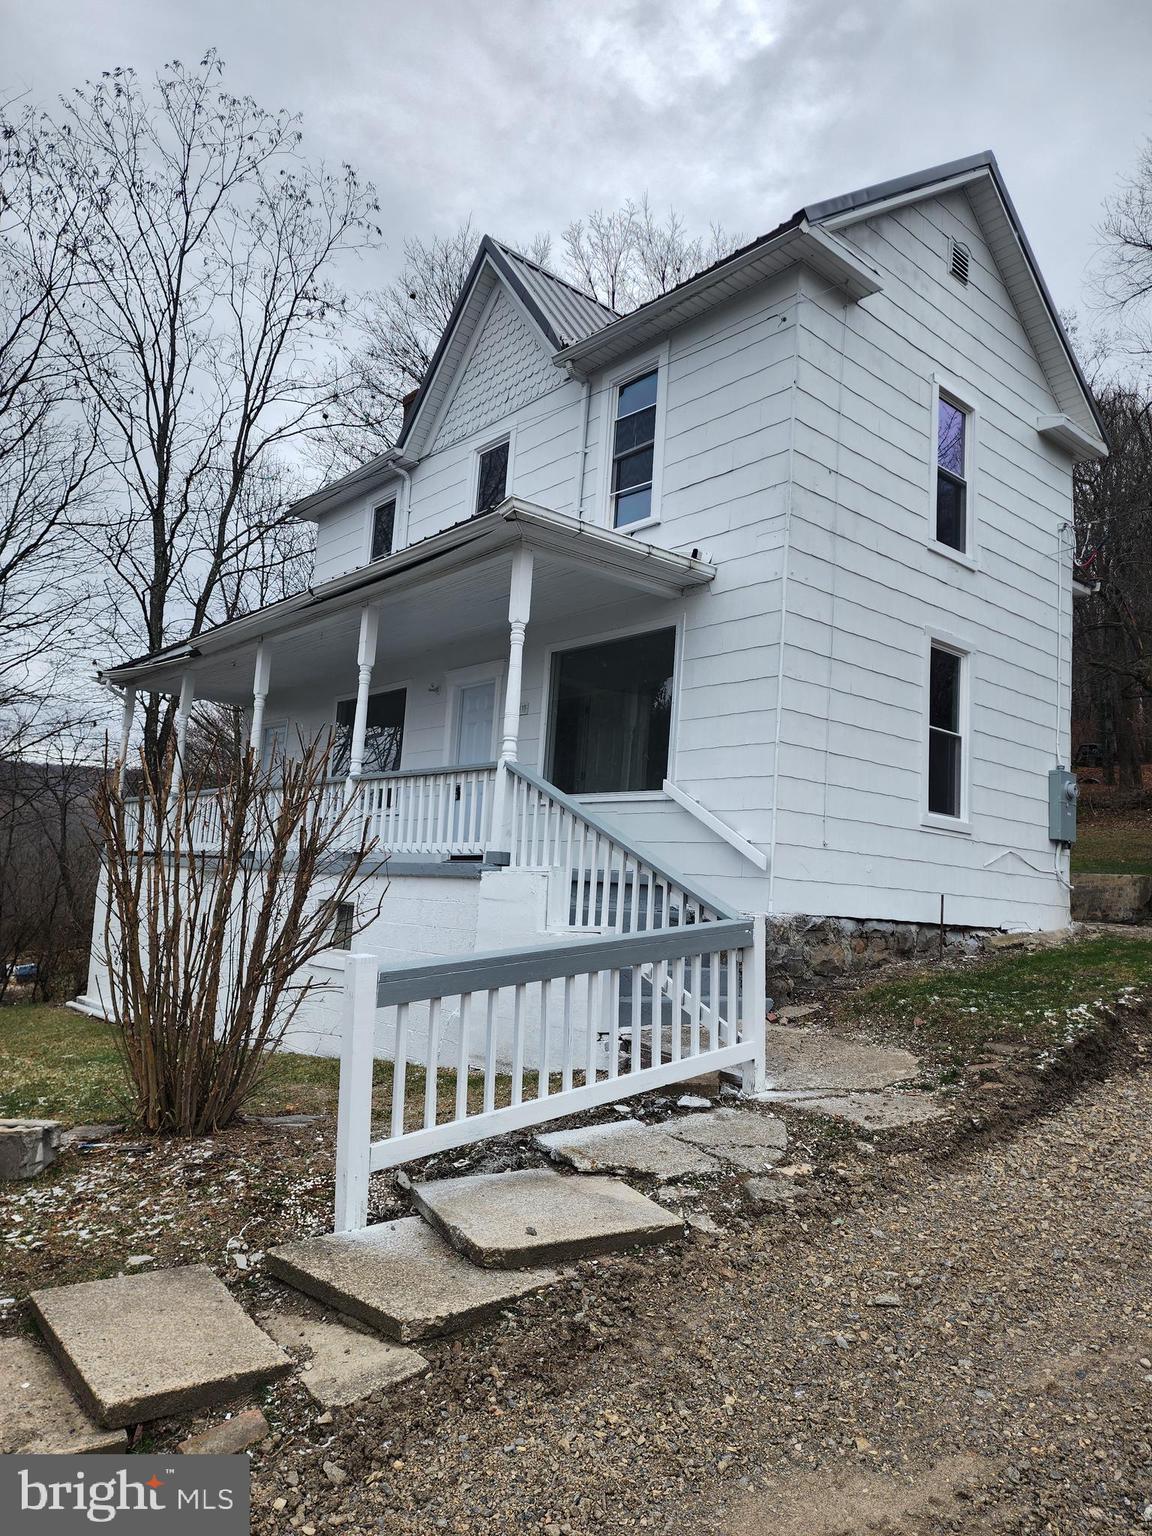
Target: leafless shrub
{"points": [[205, 949]]}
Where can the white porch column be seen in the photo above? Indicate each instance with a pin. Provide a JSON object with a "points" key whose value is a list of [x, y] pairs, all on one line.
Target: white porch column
{"points": [[259, 698], [365, 660], [126, 732], [183, 713], [519, 610]]}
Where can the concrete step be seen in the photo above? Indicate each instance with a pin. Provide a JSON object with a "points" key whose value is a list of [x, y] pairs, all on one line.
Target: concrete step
{"points": [[39, 1416], [343, 1364], [399, 1277], [537, 1216], [139, 1347]]}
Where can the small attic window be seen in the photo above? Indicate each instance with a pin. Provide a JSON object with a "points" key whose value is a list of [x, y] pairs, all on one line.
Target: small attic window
{"points": [[959, 258]]}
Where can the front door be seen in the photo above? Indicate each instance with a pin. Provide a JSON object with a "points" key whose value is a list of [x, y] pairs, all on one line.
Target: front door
{"points": [[475, 719], [473, 730]]}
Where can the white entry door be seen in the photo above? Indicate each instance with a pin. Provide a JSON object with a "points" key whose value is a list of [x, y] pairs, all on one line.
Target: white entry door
{"points": [[475, 721], [473, 730]]}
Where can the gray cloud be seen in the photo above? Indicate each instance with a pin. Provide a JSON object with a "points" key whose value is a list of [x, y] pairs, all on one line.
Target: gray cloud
{"points": [[528, 112]]}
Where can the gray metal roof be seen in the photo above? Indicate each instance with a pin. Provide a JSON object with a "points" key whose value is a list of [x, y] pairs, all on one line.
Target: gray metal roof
{"points": [[571, 314]]}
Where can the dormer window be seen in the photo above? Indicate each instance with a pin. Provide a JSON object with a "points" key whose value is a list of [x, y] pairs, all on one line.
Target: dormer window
{"points": [[634, 450], [383, 529], [492, 478]]}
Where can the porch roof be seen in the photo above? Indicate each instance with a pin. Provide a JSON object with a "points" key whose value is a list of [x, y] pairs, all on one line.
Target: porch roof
{"points": [[450, 587]]}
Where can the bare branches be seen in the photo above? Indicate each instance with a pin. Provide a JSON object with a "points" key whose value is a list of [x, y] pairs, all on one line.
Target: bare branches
{"points": [[623, 257], [197, 320], [1113, 640], [206, 952], [47, 441]]}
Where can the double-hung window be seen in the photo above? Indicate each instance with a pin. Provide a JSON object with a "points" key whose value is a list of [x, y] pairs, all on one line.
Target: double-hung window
{"points": [[492, 477], [383, 529], [634, 450], [946, 787], [953, 455]]}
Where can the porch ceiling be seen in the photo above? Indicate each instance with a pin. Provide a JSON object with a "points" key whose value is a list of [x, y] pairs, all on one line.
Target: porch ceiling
{"points": [[448, 591]]}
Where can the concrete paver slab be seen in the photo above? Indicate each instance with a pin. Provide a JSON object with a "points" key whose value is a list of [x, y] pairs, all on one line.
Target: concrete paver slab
{"points": [[345, 1365], [167, 1341], [39, 1416], [740, 1137], [874, 1111], [538, 1216], [813, 1059], [400, 1277], [626, 1146]]}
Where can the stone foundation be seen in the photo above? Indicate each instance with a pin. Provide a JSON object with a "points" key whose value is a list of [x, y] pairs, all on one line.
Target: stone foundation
{"points": [[805, 949]]}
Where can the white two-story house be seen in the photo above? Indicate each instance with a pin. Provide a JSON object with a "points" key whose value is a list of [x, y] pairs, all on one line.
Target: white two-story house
{"points": [[759, 596]]}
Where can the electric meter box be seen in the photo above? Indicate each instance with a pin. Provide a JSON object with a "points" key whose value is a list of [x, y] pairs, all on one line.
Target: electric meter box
{"points": [[1063, 793]]}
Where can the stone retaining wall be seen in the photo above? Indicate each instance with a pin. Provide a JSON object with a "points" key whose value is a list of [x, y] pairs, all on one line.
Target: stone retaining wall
{"points": [[1112, 898]]}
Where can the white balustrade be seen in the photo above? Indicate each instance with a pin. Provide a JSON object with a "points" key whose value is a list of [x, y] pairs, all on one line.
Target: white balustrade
{"points": [[610, 885], [492, 1043]]}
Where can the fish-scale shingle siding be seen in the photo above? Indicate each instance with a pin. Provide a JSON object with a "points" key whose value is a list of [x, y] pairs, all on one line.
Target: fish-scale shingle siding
{"points": [[508, 368]]}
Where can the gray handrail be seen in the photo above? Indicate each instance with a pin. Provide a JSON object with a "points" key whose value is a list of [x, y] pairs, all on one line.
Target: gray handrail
{"points": [[574, 808], [413, 773], [544, 962]]}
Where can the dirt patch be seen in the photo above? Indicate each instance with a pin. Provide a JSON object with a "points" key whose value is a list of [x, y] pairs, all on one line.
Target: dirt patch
{"points": [[867, 1505]]}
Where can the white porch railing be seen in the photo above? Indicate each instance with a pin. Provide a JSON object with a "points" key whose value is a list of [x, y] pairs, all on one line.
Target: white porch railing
{"points": [[612, 885], [440, 811], [492, 1043]]}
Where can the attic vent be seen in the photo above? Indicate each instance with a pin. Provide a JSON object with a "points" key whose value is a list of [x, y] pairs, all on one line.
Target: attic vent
{"points": [[959, 263]]}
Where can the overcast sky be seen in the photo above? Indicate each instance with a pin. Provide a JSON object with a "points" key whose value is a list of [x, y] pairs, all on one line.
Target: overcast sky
{"points": [[528, 112]]}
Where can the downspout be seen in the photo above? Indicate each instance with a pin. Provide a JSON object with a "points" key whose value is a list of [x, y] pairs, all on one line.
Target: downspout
{"points": [[785, 551], [581, 446], [405, 475]]}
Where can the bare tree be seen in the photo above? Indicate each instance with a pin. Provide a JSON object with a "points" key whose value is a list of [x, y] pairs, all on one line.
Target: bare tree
{"points": [[199, 321], [628, 256], [1113, 638], [47, 451], [622, 257]]}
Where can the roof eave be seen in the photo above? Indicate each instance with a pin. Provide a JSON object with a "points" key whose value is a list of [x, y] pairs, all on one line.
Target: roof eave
{"points": [[867, 202], [659, 571], [356, 482], [807, 246]]}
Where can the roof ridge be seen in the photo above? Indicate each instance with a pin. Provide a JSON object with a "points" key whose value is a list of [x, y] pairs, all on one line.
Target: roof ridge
{"points": [[511, 250]]}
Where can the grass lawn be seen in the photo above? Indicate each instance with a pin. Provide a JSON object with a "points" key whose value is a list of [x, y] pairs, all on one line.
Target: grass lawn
{"points": [[1039, 998], [59, 1065], [64, 1066], [1113, 846]]}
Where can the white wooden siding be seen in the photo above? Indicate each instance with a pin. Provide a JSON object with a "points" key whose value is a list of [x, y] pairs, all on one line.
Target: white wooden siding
{"points": [[866, 587], [798, 457]]}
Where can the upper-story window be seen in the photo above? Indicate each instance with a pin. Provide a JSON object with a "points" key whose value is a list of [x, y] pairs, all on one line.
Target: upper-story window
{"points": [[953, 453], [634, 450], [492, 478], [383, 529]]}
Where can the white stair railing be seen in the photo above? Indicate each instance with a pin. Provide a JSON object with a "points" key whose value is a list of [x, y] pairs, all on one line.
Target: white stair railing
{"points": [[492, 1043], [610, 885]]}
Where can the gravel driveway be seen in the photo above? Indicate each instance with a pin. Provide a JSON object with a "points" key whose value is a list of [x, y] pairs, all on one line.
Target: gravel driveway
{"points": [[972, 1353]]}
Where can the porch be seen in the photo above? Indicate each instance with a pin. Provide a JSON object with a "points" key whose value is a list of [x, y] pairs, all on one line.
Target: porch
{"points": [[434, 669]]}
